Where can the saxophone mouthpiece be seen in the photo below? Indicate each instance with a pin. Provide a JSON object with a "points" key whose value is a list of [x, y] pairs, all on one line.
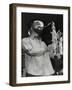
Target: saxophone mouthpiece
{"points": [[48, 25]]}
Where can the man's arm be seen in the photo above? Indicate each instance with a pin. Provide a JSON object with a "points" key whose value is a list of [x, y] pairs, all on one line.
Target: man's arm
{"points": [[41, 51], [38, 53], [31, 52], [35, 53]]}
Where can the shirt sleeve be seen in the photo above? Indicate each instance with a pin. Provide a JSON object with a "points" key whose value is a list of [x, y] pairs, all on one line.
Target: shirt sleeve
{"points": [[26, 44]]}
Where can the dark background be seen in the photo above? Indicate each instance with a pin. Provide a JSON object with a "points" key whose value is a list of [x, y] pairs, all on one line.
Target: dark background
{"points": [[28, 18]]}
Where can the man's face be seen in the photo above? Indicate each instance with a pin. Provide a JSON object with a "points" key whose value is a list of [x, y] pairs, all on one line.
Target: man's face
{"points": [[38, 26]]}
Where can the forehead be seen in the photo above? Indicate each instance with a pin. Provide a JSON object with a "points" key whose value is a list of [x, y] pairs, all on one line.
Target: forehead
{"points": [[38, 23]]}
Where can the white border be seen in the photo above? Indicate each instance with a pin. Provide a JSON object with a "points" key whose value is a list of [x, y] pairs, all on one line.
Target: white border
{"points": [[64, 77]]}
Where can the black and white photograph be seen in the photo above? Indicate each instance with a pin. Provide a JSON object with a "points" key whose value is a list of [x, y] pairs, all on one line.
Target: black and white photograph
{"points": [[40, 44]]}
